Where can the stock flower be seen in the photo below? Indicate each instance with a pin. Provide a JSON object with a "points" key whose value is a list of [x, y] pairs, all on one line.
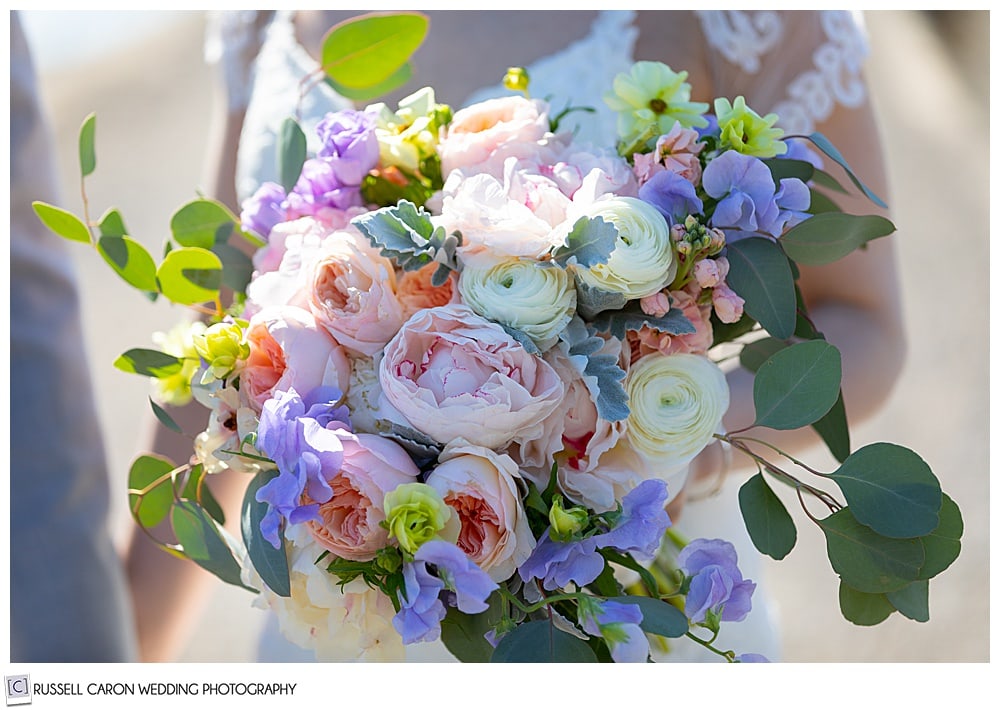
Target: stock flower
{"points": [[618, 624], [175, 389], [676, 151], [349, 523], [453, 374], [727, 303], [222, 346], [535, 298], [480, 486], [415, 513], [348, 140], [492, 129], [320, 187], [677, 402], [745, 131], [650, 99], [264, 209], [717, 585], [643, 260], [648, 340]]}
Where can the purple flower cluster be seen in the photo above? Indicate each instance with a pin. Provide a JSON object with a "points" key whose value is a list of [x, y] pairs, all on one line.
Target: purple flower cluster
{"points": [[304, 438], [717, 585], [618, 624], [332, 180], [639, 530]]}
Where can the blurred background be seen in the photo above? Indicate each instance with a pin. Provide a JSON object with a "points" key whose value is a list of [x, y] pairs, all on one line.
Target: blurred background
{"points": [[144, 75]]}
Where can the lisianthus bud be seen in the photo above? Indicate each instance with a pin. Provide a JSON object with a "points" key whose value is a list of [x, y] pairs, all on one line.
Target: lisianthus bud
{"points": [[565, 523], [416, 513], [223, 346]]}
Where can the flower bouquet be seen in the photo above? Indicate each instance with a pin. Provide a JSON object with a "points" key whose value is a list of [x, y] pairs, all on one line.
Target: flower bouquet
{"points": [[472, 360]]}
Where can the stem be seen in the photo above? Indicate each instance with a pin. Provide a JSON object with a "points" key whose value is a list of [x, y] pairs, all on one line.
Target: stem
{"points": [[86, 210], [678, 539], [728, 655], [546, 602], [786, 477], [143, 491], [782, 453]]}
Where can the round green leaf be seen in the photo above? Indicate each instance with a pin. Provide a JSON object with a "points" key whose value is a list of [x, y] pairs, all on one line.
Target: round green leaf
{"points": [[88, 158], [130, 260], [771, 528], [190, 275], [942, 546], [195, 489], [202, 223], [829, 236], [658, 617], [797, 385], [541, 642], [760, 274], [64, 223], [150, 363], [291, 154], [913, 600], [397, 79], [891, 490], [271, 564], [862, 608], [366, 50], [155, 504], [204, 542], [464, 635], [755, 353], [237, 267], [112, 224], [867, 561], [832, 428]]}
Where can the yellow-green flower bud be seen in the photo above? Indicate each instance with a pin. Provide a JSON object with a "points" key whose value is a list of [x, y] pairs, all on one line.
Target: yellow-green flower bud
{"points": [[175, 389], [223, 347], [565, 523], [742, 129], [516, 79], [416, 513]]}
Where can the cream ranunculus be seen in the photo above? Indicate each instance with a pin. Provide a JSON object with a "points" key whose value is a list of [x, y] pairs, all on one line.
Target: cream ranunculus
{"points": [[677, 403], [534, 297], [643, 260], [480, 485]]}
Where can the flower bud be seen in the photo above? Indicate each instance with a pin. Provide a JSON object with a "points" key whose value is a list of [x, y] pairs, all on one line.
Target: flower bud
{"points": [[516, 79], [222, 346], [565, 523]]}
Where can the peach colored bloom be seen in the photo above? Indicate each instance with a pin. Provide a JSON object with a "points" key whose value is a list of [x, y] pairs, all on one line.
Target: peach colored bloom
{"points": [[728, 305], [649, 340], [492, 129], [416, 292], [711, 272]]}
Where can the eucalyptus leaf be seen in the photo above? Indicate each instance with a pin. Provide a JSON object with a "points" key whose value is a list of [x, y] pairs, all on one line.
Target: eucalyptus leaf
{"points": [[205, 543], [237, 267], [821, 142], [130, 260], [943, 545], [830, 236], [912, 601], [760, 274], [658, 617], [271, 564], [891, 490], [797, 385], [195, 489], [832, 428], [165, 418], [88, 157], [154, 505], [150, 363], [756, 352], [819, 203], [190, 275], [771, 528], [464, 635], [824, 179], [367, 50], [728, 332], [867, 561], [200, 223], [291, 153], [862, 608], [589, 243], [782, 168], [62, 222], [541, 642], [397, 79], [112, 224]]}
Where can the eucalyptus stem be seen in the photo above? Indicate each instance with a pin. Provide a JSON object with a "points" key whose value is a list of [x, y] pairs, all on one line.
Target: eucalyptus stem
{"points": [[783, 453], [728, 655], [783, 475]]}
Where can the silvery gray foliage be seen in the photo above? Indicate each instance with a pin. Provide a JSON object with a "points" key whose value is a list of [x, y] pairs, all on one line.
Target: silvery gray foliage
{"points": [[602, 374]]}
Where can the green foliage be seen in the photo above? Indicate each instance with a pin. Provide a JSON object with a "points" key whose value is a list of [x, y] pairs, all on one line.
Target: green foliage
{"points": [[397, 79], [827, 237], [151, 508], [760, 274], [64, 223], [406, 234], [611, 399], [942, 545], [112, 224], [658, 617], [771, 528], [291, 153], [196, 489], [867, 561], [797, 385], [541, 642], [821, 142], [728, 332], [271, 564], [165, 419], [755, 353], [862, 608], [913, 600], [237, 267], [820, 203], [190, 275], [633, 318], [464, 635], [130, 260], [205, 542], [149, 363], [589, 243], [202, 223], [832, 428], [88, 159], [891, 490], [782, 168]]}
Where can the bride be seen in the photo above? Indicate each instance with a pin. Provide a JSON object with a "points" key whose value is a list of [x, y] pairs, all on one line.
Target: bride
{"points": [[805, 66]]}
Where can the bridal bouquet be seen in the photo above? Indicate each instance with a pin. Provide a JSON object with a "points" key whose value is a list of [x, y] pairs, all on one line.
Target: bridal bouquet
{"points": [[473, 359]]}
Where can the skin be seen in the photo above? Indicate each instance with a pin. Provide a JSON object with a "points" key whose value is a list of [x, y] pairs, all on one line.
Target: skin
{"points": [[854, 302]]}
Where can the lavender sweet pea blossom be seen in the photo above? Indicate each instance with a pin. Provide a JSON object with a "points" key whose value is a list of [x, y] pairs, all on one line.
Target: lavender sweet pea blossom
{"points": [[792, 200], [751, 658], [672, 195], [559, 563], [618, 624], [745, 190], [717, 585], [421, 609], [264, 209], [304, 439], [348, 137], [319, 186]]}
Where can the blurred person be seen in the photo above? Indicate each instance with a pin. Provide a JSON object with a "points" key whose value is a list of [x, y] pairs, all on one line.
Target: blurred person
{"points": [[68, 598]]}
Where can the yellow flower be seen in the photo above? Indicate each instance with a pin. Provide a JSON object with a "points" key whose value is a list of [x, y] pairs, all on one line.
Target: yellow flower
{"points": [[416, 513], [409, 135], [746, 132], [175, 389], [222, 346]]}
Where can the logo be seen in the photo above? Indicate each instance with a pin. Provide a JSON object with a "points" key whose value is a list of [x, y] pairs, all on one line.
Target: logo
{"points": [[18, 689]]}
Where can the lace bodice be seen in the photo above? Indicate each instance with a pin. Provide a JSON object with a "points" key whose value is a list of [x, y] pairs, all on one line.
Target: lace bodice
{"points": [[801, 74]]}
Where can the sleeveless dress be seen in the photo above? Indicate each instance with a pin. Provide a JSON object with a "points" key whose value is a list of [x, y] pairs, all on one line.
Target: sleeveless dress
{"points": [[818, 70]]}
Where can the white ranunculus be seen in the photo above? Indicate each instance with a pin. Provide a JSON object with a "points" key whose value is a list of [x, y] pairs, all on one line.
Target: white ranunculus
{"points": [[643, 260], [677, 403], [525, 294]]}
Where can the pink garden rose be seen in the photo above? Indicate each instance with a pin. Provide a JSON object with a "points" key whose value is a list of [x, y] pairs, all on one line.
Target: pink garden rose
{"points": [[289, 350], [481, 486], [451, 373], [492, 129], [350, 522], [353, 295]]}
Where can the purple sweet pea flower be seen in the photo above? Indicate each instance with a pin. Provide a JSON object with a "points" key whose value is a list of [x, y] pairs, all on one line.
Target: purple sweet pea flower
{"points": [[717, 584], [672, 195], [618, 624], [349, 137], [798, 150], [745, 190], [304, 439], [751, 658], [421, 609], [264, 209], [792, 200], [559, 563], [319, 186]]}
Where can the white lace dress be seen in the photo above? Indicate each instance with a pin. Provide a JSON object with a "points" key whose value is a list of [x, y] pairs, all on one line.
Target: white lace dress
{"points": [[802, 75]]}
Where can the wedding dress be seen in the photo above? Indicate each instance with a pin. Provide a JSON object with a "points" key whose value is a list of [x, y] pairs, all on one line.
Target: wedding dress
{"points": [[816, 73]]}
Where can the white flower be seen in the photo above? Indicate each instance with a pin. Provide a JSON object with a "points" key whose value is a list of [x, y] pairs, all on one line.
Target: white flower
{"points": [[363, 394], [643, 260], [538, 299], [677, 403]]}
